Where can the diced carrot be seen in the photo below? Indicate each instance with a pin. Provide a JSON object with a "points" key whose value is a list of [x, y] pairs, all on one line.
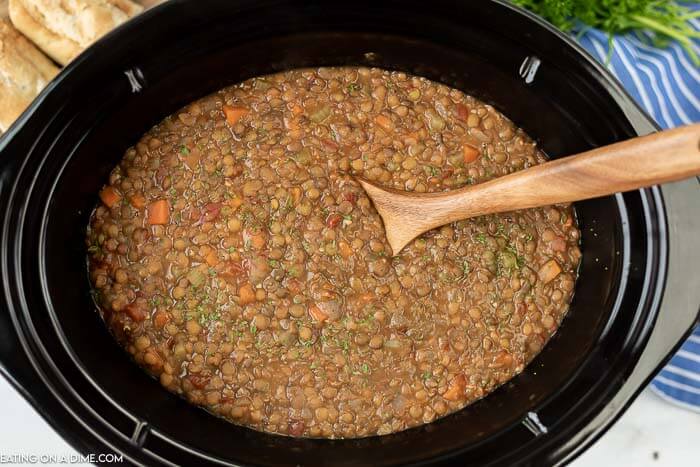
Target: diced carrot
{"points": [[296, 194], [158, 212], [470, 153], [153, 359], [257, 240], [384, 122], [232, 272], [161, 318], [501, 360], [135, 312], [291, 123], [193, 214], [297, 109], [233, 114], [344, 249], [558, 244], [333, 220], [211, 211], [294, 286], [137, 201], [191, 156], [109, 196], [462, 111], [456, 388], [212, 259], [317, 314], [447, 172], [246, 294], [235, 202], [549, 271]]}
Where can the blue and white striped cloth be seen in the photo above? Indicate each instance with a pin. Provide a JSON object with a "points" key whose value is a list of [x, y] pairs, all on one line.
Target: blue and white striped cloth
{"points": [[666, 83]]}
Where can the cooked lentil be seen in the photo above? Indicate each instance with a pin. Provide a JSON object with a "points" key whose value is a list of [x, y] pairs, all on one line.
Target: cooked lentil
{"points": [[236, 259]]}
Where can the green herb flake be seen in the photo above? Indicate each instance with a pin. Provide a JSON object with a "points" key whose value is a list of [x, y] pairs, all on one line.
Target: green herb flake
{"points": [[432, 170], [183, 150]]}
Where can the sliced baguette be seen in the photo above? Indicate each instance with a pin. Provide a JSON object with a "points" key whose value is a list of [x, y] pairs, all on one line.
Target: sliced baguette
{"points": [[64, 28]]}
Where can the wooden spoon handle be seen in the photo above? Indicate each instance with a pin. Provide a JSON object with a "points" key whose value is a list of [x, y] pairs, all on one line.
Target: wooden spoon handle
{"points": [[639, 162]]}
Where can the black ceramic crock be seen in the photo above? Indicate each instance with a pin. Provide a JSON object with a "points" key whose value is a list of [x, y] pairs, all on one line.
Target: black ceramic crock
{"points": [[635, 300]]}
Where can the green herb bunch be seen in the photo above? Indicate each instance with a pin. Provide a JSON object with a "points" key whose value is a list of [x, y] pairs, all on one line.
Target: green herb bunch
{"points": [[666, 20]]}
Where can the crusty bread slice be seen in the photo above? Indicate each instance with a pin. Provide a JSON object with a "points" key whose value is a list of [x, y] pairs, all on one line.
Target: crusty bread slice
{"points": [[24, 72], [64, 28]]}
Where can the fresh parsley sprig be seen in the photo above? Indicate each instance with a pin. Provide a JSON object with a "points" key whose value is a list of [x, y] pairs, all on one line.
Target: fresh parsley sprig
{"points": [[665, 20]]}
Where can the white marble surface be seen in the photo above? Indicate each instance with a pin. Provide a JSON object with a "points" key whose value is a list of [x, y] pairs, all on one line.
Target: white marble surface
{"points": [[651, 433]]}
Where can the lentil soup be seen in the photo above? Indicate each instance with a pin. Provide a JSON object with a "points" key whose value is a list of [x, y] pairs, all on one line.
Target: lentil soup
{"points": [[236, 259]]}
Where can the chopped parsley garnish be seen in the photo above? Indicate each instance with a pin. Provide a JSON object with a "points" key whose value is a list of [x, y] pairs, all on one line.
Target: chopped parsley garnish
{"points": [[432, 170], [205, 319]]}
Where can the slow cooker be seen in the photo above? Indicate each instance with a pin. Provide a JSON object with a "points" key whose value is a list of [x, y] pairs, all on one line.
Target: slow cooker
{"points": [[635, 300]]}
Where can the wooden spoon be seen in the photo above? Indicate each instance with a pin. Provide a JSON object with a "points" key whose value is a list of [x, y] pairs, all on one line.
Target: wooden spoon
{"points": [[639, 162]]}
